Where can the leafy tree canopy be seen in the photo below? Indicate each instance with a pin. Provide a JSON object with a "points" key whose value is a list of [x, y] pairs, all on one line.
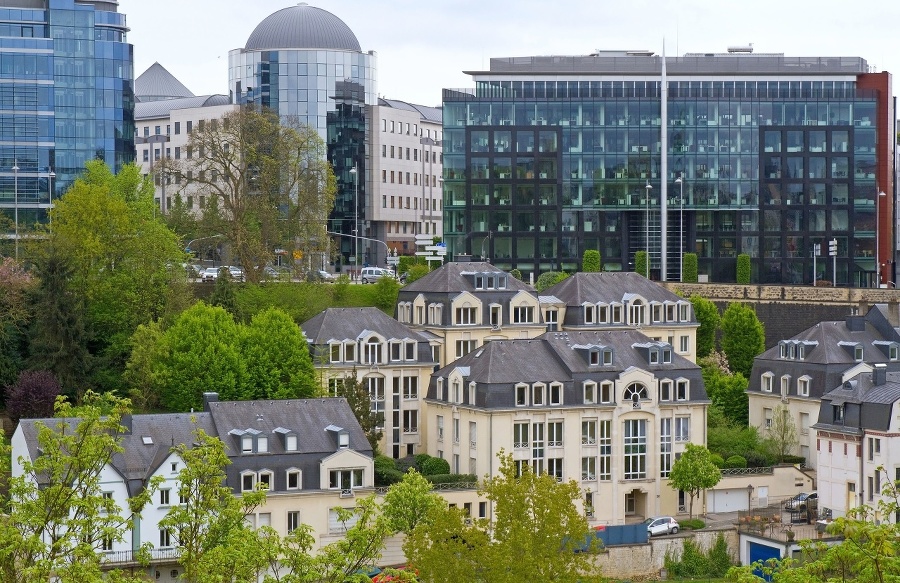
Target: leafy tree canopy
{"points": [[694, 472], [743, 337]]}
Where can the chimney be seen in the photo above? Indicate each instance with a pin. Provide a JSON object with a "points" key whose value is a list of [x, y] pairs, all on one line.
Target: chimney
{"points": [[879, 375], [209, 398], [856, 323]]}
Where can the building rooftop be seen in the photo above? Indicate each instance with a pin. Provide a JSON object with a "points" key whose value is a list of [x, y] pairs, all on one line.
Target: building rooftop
{"points": [[302, 27], [156, 84]]}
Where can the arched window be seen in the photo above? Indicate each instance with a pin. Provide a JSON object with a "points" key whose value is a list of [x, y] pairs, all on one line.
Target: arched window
{"points": [[635, 392], [636, 312], [373, 351]]}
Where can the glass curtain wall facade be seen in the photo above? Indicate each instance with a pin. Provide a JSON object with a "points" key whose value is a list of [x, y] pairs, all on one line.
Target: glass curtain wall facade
{"points": [[548, 169], [66, 95], [327, 89]]}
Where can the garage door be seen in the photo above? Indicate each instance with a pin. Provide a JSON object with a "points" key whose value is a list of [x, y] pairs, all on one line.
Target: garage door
{"points": [[727, 500], [762, 553]]}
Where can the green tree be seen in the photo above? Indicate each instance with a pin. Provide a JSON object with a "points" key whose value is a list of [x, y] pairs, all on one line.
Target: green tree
{"points": [[690, 268], [640, 263], [743, 269], [417, 272], [277, 358], [146, 351], [386, 291], [781, 435], [590, 262], [199, 353], [707, 315], [209, 527], [58, 340], [727, 391], [125, 261], [548, 279], [361, 546], [694, 472], [223, 294], [449, 546], [516, 273], [743, 337], [268, 183], [56, 517], [15, 313], [410, 502], [357, 395]]}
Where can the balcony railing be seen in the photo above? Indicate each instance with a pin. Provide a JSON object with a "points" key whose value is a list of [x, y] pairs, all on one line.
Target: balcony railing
{"points": [[132, 556]]}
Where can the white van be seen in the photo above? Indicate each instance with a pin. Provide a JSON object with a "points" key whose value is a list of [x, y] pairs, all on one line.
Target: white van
{"points": [[373, 274]]}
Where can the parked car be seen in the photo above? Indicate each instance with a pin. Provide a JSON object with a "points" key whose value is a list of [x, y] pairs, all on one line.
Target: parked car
{"points": [[661, 525], [209, 274], [236, 273], [403, 276], [326, 276], [802, 501], [373, 274]]}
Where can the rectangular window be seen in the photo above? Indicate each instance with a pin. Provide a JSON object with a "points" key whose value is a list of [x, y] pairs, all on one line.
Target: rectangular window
{"points": [[164, 497], [248, 482], [682, 429], [767, 415], [604, 442], [556, 394], [803, 386], [410, 387], [345, 479], [521, 395], [520, 436], [684, 344], [473, 433], [165, 537], [456, 431], [464, 347], [190, 126], [293, 479], [589, 469], [555, 468], [293, 520], [665, 447], [589, 432], [665, 390], [555, 434], [466, 315], [804, 423], [590, 393], [767, 380], [635, 449], [440, 427], [606, 392], [411, 421], [537, 395], [537, 446], [681, 390], [523, 315]]}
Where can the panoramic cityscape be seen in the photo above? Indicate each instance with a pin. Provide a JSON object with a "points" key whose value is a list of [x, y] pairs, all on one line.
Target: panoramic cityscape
{"points": [[609, 315]]}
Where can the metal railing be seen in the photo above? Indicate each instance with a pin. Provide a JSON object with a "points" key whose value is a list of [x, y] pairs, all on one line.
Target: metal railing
{"points": [[748, 471], [133, 556]]}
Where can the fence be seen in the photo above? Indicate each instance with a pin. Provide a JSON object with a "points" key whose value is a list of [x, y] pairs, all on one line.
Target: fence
{"points": [[133, 556]]}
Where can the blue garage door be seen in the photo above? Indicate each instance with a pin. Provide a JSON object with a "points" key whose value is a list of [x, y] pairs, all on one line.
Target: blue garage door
{"points": [[762, 553]]}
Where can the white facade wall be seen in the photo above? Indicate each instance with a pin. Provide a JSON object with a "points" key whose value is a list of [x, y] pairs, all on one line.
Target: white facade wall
{"points": [[406, 161]]}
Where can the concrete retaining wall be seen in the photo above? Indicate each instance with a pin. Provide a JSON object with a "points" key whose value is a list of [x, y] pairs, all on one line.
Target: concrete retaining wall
{"points": [[644, 562]]}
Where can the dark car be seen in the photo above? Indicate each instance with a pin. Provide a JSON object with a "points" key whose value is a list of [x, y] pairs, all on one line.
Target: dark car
{"points": [[802, 501]]}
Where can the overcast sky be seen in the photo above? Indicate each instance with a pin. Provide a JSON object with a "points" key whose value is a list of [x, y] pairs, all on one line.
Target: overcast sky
{"points": [[424, 45]]}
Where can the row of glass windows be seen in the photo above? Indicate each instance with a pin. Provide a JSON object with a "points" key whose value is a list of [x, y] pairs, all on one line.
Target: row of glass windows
{"points": [[594, 89], [646, 112]]}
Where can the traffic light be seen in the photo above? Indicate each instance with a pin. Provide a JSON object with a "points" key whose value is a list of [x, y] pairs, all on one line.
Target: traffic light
{"points": [[832, 248]]}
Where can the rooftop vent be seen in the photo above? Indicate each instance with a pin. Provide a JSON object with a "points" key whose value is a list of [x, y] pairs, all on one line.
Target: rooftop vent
{"points": [[741, 49]]}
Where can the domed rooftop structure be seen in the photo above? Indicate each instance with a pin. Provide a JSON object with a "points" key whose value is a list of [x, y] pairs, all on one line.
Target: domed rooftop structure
{"points": [[302, 27]]}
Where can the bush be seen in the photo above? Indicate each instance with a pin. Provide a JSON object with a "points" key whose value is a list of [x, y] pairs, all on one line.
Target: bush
{"points": [[718, 460], [692, 523], [719, 558], [757, 459], [591, 261], [690, 268], [640, 262], [692, 564], [794, 459], [386, 472], [417, 272], [736, 461], [434, 466], [386, 290], [743, 268], [516, 273], [549, 279], [452, 478], [404, 463], [340, 287], [33, 396]]}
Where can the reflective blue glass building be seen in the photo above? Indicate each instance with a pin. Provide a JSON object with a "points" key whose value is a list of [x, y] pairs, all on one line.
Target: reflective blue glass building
{"points": [[66, 97], [305, 62], [550, 156]]}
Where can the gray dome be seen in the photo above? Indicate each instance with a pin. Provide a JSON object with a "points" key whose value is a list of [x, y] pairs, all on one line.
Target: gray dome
{"points": [[302, 27]]}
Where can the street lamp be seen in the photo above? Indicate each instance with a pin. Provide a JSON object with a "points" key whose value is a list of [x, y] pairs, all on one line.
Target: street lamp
{"points": [[647, 224], [355, 174], [15, 170], [680, 182], [749, 495], [50, 178], [877, 241]]}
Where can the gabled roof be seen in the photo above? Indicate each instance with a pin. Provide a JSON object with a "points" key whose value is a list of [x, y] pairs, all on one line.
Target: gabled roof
{"points": [[157, 83], [165, 107], [826, 342], [308, 418], [450, 278], [609, 287], [348, 323]]}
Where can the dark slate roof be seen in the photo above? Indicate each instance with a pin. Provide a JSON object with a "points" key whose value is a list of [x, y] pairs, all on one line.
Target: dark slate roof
{"points": [[156, 83], [308, 418], [449, 279], [165, 107], [554, 356], [432, 114], [302, 27], [866, 405], [350, 323], [148, 443], [608, 287]]}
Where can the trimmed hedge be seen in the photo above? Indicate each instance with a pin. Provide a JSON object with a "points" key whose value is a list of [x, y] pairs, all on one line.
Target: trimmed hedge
{"points": [[690, 268], [640, 262], [452, 478], [736, 461], [743, 269], [591, 261]]}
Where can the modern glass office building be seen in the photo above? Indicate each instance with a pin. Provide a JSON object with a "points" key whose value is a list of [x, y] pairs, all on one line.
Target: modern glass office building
{"points": [[306, 62], [66, 95], [717, 154]]}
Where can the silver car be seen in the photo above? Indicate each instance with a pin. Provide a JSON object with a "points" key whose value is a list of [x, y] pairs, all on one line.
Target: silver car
{"points": [[661, 525]]}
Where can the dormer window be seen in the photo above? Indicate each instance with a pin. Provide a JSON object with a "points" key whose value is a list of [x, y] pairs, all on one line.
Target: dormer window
{"points": [[665, 390], [602, 314], [635, 392], [343, 440], [606, 392], [767, 380], [656, 312], [246, 444], [617, 313], [335, 353], [523, 314], [636, 313], [521, 395], [537, 397], [892, 352], [290, 442], [670, 313], [607, 357], [803, 386], [684, 312], [411, 350], [262, 444], [785, 385], [594, 357], [783, 350], [838, 412], [654, 357], [373, 351], [589, 314], [248, 481], [350, 352], [440, 389], [590, 393], [396, 351], [858, 353], [667, 355], [556, 394], [496, 315], [466, 315], [681, 390], [480, 282]]}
